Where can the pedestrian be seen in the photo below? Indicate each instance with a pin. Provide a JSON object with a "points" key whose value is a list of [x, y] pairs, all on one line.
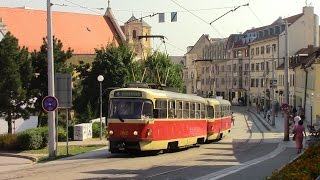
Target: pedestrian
{"points": [[299, 131], [269, 114], [294, 110], [296, 119], [232, 118]]}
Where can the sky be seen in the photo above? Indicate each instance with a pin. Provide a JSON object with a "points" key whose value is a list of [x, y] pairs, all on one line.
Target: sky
{"points": [[193, 17]]}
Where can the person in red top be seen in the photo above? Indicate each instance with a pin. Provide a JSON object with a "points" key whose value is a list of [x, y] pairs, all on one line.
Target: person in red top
{"points": [[299, 131]]}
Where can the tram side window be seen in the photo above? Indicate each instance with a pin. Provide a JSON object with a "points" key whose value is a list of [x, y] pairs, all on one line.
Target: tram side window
{"points": [[172, 109], [179, 109], [192, 110], [210, 112], [198, 112], [223, 111], [203, 111], [186, 109], [161, 105], [217, 113]]}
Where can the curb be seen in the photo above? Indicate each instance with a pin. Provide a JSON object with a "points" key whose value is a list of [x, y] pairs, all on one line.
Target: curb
{"points": [[33, 159], [259, 118]]}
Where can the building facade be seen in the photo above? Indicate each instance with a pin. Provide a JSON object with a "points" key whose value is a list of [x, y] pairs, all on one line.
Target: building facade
{"points": [[134, 29]]}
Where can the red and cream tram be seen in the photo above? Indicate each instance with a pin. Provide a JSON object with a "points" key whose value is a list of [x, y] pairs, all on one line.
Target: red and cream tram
{"points": [[142, 119]]}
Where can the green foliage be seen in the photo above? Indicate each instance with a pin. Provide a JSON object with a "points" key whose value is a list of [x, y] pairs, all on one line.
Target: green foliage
{"points": [[44, 134], [62, 134], [96, 129], [8, 142], [114, 64], [30, 139], [16, 71], [158, 68], [39, 83]]}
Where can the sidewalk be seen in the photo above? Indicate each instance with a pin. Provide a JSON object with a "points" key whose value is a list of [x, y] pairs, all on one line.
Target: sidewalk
{"points": [[34, 157]]}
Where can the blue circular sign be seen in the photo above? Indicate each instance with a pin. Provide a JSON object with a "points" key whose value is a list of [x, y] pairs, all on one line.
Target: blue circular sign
{"points": [[49, 103]]}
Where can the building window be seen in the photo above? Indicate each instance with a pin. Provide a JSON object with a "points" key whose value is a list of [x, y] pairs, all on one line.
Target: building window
{"points": [[252, 67], [257, 51], [262, 49], [246, 52], [268, 49], [261, 83], [252, 82], [134, 34], [277, 30], [257, 67], [262, 66], [257, 82], [252, 51], [274, 47]]}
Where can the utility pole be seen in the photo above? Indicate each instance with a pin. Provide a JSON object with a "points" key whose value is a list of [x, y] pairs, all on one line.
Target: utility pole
{"points": [[286, 84], [51, 114], [249, 83], [272, 88], [265, 88]]}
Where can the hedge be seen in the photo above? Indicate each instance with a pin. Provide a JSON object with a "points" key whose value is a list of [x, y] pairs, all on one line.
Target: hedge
{"points": [[8, 142], [30, 139], [96, 129]]}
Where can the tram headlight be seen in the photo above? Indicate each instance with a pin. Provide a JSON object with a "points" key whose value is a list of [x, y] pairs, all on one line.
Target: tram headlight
{"points": [[149, 132], [135, 133], [110, 132]]}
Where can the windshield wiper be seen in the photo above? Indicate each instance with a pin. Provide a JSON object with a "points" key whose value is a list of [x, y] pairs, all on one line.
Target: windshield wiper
{"points": [[119, 117]]}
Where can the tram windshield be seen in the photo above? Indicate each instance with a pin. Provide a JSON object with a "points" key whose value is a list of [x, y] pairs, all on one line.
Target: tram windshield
{"points": [[130, 109]]}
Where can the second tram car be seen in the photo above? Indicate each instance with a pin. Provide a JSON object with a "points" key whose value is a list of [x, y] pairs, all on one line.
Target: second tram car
{"points": [[142, 119]]}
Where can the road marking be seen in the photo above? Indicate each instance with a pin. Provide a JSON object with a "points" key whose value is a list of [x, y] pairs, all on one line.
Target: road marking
{"points": [[225, 172]]}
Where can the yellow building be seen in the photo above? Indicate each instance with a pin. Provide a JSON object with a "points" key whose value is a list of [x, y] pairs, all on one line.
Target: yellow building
{"points": [[134, 30], [312, 92]]}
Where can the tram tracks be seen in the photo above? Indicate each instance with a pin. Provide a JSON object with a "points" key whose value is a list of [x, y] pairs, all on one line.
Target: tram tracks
{"points": [[174, 164]]}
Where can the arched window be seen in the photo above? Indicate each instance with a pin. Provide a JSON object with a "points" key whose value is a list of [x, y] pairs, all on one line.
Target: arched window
{"points": [[134, 34]]}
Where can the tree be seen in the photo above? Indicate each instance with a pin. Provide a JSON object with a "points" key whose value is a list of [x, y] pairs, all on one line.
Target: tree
{"points": [[158, 68], [16, 72], [39, 83], [115, 64]]}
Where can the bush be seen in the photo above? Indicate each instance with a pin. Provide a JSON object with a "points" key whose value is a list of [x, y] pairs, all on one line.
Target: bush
{"points": [[96, 129], [62, 134], [8, 142], [30, 139], [44, 134]]}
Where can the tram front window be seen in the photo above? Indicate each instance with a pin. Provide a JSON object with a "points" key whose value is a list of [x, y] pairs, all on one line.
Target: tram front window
{"points": [[130, 108]]}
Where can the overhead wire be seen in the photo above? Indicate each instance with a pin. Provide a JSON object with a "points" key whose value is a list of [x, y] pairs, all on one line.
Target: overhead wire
{"points": [[256, 16], [197, 17], [84, 7]]}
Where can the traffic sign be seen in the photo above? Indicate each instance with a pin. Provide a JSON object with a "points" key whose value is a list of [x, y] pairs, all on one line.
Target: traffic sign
{"points": [[49, 103]]}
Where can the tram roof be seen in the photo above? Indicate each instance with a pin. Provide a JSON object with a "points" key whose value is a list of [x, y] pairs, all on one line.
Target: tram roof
{"points": [[224, 102], [166, 94], [212, 101]]}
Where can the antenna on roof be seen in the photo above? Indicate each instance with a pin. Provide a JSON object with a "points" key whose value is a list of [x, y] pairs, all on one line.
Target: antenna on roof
{"points": [[108, 3]]}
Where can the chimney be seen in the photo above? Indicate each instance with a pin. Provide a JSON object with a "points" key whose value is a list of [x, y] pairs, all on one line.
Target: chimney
{"points": [[308, 10]]}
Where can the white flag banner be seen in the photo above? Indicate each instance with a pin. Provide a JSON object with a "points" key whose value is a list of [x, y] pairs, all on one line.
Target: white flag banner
{"points": [[174, 16], [161, 17]]}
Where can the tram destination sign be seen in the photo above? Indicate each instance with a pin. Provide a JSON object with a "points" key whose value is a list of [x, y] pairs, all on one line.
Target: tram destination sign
{"points": [[127, 94]]}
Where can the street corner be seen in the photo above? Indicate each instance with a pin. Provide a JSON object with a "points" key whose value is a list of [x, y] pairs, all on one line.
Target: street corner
{"points": [[33, 158]]}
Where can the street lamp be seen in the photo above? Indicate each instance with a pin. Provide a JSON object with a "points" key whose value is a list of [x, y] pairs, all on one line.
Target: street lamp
{"points": [[286, 84], [100, 78]]}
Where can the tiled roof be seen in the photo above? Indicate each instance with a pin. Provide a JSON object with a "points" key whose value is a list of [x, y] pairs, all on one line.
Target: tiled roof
{"points": [[305, 61], [134, 19], [279, 21], [82, 32]]}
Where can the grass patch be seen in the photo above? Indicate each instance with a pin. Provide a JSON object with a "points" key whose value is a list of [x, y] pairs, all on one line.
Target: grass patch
{"points": [[62, 151]]}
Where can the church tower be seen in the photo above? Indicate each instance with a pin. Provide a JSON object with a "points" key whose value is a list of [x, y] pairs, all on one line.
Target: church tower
{"points": [[133, 29]]}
